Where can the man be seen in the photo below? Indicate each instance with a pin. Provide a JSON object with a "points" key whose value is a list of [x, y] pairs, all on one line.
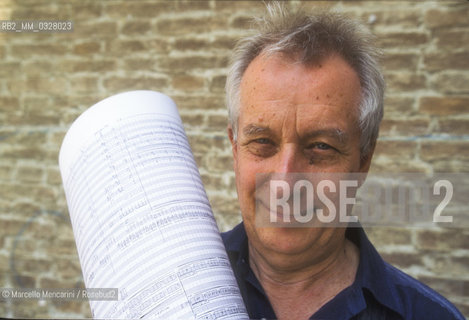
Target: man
{"points": [[305, 95]]}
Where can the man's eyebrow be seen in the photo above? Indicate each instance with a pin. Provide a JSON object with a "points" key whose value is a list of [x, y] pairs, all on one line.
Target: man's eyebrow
{"points": [[252, 129], [334, 133]]}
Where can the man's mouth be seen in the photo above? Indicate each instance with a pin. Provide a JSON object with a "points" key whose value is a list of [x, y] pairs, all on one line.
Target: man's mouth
{"points": [[278, 215]]}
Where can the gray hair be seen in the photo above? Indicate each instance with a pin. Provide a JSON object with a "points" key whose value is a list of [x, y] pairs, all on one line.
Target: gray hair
{"points": [[310, 38]]}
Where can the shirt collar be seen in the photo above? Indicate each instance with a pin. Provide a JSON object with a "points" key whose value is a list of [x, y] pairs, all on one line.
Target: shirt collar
{"points": [[371, 275]]}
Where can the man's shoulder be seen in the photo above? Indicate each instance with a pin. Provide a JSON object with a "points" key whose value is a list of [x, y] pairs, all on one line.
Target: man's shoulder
{"points": [[234, 238], [418, 300]]}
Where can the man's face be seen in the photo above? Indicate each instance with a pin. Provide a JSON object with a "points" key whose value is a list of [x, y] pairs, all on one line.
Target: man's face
{"points": [[295, 118]]}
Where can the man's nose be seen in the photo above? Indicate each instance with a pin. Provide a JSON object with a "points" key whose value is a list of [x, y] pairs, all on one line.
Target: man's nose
{"points": [[288, 168], [289, 160], [289, 165]]}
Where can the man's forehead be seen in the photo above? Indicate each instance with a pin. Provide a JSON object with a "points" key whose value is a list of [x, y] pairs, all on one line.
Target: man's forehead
{"points": [[272, 79]]}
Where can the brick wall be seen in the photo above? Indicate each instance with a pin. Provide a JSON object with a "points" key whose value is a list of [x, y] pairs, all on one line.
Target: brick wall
{"points": [[181, 48]]}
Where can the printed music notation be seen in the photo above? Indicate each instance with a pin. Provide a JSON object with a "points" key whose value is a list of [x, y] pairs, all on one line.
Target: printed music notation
{"points": [[141, 219]]}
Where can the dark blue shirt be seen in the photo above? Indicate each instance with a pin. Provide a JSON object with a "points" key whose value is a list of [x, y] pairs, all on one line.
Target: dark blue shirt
{"points": [[380, 291]]}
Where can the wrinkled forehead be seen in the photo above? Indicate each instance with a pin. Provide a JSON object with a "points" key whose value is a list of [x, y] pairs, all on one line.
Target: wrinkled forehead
{"points": [[281, 80]]}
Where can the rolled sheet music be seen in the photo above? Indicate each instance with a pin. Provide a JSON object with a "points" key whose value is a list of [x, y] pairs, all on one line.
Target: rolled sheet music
{"points": [[140, 215]]}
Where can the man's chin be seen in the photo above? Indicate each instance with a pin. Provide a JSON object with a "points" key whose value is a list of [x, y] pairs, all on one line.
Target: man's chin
{"points": [[286, 240]]}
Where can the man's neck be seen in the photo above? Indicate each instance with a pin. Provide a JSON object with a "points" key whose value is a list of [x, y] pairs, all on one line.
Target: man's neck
{"points": [[300, 285]]}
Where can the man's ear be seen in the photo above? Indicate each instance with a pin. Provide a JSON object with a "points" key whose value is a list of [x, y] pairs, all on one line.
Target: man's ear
{"points": [[234, 148], [365, 163]]}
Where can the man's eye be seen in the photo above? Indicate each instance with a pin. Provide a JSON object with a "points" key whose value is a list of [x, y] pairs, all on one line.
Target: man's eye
{"points": [[320, 146], [323, 146], [263, 141], [262, 147]]}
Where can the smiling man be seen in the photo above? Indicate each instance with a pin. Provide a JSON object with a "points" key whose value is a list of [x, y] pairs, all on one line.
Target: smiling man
{"points": [[305, 95]]}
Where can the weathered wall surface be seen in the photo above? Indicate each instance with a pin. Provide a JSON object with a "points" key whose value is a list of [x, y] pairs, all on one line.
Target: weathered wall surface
{"points": [[181, 48]]}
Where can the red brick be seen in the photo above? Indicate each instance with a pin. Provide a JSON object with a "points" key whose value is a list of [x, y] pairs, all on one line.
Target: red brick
{"points": [[381, 164], [11, 226], [192, 5], [453, 126], [195, 44], [445, 240], [217, 84], [158, 46], [450, 165], [398, 61], [93, 66], [404, 127], [450, 82], [437, 18], [38, 68], [242, 22], [9, 69], [187, 82], [133, 64], [220, 163], [217, 123], [87, 48], [451, 38], [253, 6], [224, 43], [192, 119], [204, 144], [396, 149], [136, 28], [447, 286], [190, 44], [447, 61], [229, 207], [21, 152], [442, 106], [186, 25], [54, 283], [399, 106], [138, 9], [116, 84], [33, 12], [394, 16], [404, 81], [87, 10], [5, 12], [213, 182], [85, 84], [402, 39], [5, 171], [205, 102], [30, 174], [96, 29], [33, 265], [444, 150], [53, 177], [31, 50], [68, 268], [8, 104], [131, 47], [403, 260], [47, 85]]}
